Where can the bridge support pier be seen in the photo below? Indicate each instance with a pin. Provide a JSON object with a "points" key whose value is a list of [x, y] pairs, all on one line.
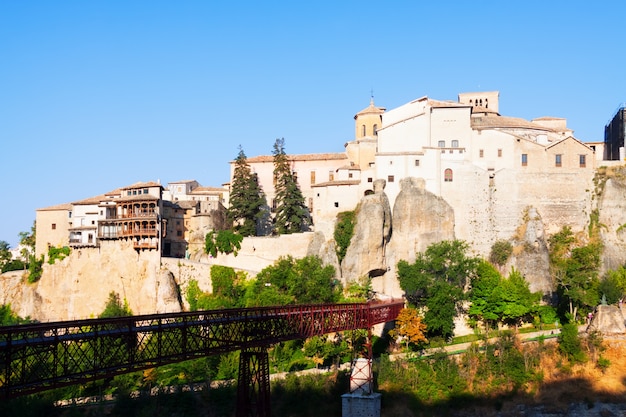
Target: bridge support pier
{"points": [[253, 385]]}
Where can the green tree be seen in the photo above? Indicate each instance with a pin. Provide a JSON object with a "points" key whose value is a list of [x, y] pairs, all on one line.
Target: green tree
{"points": [[613, 286], [248, 207], [437, 280], [28, 241], [9, 318], [115, 308], [292, 215], [223, 241], [5, 253], [484, 306], [575, 271], [292, 280], [516, 303]]}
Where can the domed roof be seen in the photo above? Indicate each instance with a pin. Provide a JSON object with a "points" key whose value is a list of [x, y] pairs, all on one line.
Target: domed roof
{"points": [[371, 109]]}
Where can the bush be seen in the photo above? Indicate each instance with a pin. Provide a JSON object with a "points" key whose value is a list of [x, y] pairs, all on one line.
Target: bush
{"points": [[34, 269], [500, 252], [57, 253], [14, 265], [344, 229], [570, 344]]}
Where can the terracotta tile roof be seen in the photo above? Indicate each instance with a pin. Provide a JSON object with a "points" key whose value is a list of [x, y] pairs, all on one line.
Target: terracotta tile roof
{"points": [[492, 121], [207, 190], [91, 200], [440, 103], [64, 206], [142, 185], [302, 157], [336, 183]]}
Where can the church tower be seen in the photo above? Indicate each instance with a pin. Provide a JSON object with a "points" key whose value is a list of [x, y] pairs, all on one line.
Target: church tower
{"points": [[362, 149]]}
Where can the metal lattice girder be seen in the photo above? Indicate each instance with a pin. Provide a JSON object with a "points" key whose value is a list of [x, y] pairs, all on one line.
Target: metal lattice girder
{"points": [[37, 357], [253, 387]]}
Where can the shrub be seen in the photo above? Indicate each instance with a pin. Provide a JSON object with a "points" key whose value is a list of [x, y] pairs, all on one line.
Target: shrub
{"points": [[344, 229], [57, 253], [500, 252], [570, 344], [14, 265], [34, 269]]}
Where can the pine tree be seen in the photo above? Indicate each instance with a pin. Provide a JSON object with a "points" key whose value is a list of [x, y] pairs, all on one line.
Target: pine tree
{"points": [[247, 201], [292, 216]]}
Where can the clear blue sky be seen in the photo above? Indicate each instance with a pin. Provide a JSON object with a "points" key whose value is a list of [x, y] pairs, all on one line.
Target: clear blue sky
{"points": [[96, 95]]}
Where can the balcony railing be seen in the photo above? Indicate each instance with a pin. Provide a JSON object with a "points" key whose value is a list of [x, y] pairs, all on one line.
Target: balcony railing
{"points": [[144, 231]]}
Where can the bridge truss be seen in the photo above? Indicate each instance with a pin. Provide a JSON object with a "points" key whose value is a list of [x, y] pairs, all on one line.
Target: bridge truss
{"points": [[43, 356]]}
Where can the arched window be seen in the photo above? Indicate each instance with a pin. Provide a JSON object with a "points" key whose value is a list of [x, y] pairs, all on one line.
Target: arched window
{"points": [[363, 130], [375, 130], [447, 175]]}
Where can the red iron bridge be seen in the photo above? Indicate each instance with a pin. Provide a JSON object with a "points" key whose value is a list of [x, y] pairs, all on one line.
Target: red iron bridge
{"points": [[43, 356]]}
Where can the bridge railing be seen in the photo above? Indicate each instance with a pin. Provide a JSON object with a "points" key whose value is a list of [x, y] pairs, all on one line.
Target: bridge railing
{"points": [[40, 356]]}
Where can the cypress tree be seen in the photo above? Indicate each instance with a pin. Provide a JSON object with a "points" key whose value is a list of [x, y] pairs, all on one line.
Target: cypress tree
{"points": [[247, 202], [292, 215]]}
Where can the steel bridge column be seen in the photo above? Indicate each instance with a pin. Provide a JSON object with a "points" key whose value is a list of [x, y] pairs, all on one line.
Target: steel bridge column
{"points": [[253, 385]]}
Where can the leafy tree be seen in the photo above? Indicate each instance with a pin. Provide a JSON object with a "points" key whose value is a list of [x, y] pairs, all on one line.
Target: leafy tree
{"points": [[292, 215], [224, 241], [14, 265], [344, 229], [613, 286], [482, 296], [516, 302], [575, 270], [115, 308], [437, 280], [5, 253], [291, 281], [409, 327], [247, 206], [28, 241]]}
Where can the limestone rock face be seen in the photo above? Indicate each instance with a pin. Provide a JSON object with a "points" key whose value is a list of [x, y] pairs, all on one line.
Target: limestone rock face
{"points": [[531, 257], [613, 216], [608, 319], [162, 292], [325, 250], [372, 231], [420, 219]]}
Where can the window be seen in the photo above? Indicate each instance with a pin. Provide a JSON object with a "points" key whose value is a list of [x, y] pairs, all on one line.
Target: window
{"points": [[375, 130], [447, 175], [295, 176], [273, 205], [582, 160], [390, 178], [369, 179], [362, 130], [336, 204], [417, 162], [499, 153], [557, 160], [481, 153], [54, 226], [441, 144], [524, 159], [312, 177], [455, 143], [145, 191], [331, 176], [349, 174], [179, 233]]}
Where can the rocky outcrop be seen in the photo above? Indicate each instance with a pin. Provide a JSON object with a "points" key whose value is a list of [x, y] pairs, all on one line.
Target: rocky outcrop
{"points": [[612, 218], [325, 250], [530, 255], [420, 219], [366, 253], [608, 320], [162, 292]]}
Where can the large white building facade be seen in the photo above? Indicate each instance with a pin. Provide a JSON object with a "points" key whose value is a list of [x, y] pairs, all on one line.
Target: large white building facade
{"points": [[490, 168]]}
